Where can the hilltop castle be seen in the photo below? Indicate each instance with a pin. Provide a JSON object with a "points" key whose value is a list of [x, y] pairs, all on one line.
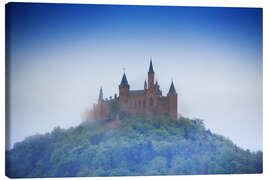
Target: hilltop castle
{"points": [[148, 101]]}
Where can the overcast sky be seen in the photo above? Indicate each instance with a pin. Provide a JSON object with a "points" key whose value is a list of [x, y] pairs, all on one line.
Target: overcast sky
{"points": [[60, 55]]}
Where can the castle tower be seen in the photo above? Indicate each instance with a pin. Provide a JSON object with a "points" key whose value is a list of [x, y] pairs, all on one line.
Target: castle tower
{"points": [[123, 88], [151, 76], [172, 101]]}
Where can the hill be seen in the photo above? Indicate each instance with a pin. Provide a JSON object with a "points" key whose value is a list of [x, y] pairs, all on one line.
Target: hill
{"points": [[138, 146]]}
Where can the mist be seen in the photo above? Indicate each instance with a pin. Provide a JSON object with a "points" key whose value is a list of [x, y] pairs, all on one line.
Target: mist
{"points": [[55, 75]]}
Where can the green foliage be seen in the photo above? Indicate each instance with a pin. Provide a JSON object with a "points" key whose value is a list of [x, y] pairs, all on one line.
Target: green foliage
{"points": [[138, 146]]}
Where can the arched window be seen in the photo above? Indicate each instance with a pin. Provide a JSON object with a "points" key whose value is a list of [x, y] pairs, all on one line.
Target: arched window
{"points": [[144, 103]]}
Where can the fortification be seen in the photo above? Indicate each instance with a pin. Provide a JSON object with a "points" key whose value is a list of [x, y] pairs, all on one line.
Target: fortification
{"points": [[148, 101]]}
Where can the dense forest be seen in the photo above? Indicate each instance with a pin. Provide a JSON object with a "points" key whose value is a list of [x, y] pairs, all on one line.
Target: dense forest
{"points": [[137, 146]]}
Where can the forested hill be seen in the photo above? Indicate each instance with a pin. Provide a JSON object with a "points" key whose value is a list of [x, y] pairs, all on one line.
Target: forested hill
{"points": [[138, 146]]}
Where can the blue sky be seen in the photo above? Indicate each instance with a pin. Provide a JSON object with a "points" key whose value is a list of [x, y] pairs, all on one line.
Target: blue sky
{"points": [[60, 55]]}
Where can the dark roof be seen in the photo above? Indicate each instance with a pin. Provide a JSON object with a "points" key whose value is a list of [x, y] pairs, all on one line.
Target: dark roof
{"points": [[136, 91], [100, 97], [172, 89], [124, 81], [151, 67]]}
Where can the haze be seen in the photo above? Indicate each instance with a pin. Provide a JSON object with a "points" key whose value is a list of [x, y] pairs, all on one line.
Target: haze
{"points": [[60, 55]]}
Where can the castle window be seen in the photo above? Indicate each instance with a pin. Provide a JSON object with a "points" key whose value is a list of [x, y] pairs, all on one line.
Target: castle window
{"points": [[135, 105], [139, 104], [151, 102], [144, 103]]}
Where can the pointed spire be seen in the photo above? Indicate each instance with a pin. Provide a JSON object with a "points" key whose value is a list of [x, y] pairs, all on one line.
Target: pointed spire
{"points": [[145, 84], [151, 66], [100, 97], [172, 89], [124, 81]]}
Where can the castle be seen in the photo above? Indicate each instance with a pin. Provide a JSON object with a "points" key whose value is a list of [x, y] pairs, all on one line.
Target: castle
{"points": [[148, 101]]}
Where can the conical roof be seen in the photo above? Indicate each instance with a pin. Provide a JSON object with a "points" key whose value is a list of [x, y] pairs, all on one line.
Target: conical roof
{"points": [[124, 81], [100, 97], [145, 84], [172, 89], [151, 67]]}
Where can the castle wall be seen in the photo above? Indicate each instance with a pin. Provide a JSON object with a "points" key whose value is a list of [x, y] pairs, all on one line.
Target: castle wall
{"points": [[172, 102], [100, 111], [163, 105], [140, 104], [136, 104]]}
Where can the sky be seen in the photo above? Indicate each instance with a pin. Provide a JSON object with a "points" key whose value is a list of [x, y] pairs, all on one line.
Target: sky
{"points": [[60, 55]]}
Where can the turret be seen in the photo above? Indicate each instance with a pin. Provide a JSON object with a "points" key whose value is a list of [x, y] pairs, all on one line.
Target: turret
{"points": [[172, 90], [172, 98], [100, 97], [151, 76], [145, 85], [124, 86], [157, 88]]}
